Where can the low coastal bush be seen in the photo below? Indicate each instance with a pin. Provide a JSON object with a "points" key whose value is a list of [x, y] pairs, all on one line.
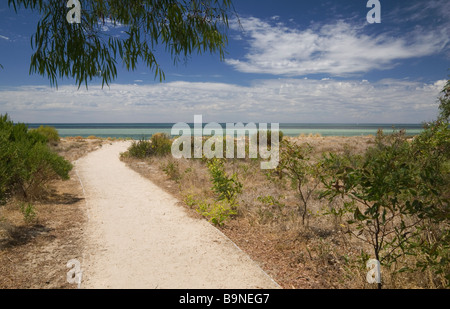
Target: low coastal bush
{"points": [[140, 149], [397, 205], [226, 187], [159, 145], [217, 212], [50, 133], [172, 170], [27, 164]]}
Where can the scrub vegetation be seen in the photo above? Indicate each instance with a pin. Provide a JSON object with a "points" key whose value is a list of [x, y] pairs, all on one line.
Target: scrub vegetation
{"points": [[330, 205]]}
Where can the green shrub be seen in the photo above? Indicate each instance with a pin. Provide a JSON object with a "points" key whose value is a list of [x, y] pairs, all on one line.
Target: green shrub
{"points": [[26, 162], [217, 212], [190, 200], [49, 132], [8, 155], [42, 166], [303, 173], [159, 144], [394, 199], [28, 211], [226, 187], [431, 153], [172, 170], [140, 149]]}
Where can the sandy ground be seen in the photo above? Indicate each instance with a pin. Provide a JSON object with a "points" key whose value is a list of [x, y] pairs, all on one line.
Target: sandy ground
{"points": [[138, 237]]}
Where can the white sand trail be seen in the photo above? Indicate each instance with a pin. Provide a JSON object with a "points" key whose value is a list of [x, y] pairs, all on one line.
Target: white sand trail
{"points": [[138, 237]]}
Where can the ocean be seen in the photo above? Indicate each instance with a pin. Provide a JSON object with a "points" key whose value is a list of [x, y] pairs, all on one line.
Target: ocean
{"points": [[146, 130]]}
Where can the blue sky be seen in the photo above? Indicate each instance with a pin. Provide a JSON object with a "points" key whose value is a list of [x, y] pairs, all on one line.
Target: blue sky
{"points": [[288, 61]]}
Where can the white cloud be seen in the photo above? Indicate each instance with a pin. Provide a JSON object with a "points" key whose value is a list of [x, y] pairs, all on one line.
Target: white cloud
{"points": [[337, 49], [282, 100]]}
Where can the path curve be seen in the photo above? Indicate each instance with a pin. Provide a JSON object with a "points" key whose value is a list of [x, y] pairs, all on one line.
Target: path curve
{"points": [[138, 237]]}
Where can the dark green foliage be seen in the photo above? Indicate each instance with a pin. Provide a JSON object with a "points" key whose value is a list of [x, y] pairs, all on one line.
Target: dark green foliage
{"points": [[84, 51], [159, 144], [397, 195], [431, 245], [380, 183], [140, 149], [444, 106], [49, 132], [26, 162]]}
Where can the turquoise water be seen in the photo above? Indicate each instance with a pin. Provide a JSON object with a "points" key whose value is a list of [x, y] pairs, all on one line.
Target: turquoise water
{"points": [[146, 130]]}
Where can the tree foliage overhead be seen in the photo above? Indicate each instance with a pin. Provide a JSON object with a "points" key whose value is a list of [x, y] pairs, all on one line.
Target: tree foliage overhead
{"points": [[83, 51], [444, 106]]}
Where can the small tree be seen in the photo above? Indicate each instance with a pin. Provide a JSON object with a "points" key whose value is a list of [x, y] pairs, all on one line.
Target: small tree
{"points": [[382, 186], [303, 173], [226, 187]]}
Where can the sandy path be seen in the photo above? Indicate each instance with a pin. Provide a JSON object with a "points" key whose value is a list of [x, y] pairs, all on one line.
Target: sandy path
{"points": [[138, 237]]}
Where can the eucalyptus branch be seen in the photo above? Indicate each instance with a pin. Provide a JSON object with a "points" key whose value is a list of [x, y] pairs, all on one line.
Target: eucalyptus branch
{"points": [[84, 52]]}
